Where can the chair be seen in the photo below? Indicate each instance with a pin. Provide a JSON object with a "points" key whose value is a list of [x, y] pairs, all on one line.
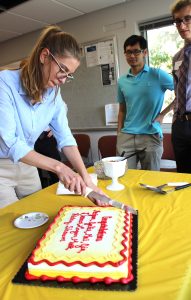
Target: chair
{"points": [[168, 163], [107, 146], [84, 147]]}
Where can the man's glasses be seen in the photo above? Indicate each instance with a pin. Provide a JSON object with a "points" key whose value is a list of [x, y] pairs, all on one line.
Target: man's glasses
{"points": [[68, 77], [135, 52], [185, 20]]}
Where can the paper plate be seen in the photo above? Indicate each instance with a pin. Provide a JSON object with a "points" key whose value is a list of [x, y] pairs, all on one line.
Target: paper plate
{"points": [[31, 220]]}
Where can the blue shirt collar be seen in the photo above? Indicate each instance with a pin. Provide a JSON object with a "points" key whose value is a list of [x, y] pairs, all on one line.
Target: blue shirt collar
{"points": [[145, 69]]}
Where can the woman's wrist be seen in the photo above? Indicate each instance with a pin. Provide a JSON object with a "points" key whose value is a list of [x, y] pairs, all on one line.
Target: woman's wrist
{"points": [[58, 167]]}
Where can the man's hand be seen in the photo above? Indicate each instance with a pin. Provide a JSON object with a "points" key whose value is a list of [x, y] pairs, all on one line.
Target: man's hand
{"points": [[159, 118]]}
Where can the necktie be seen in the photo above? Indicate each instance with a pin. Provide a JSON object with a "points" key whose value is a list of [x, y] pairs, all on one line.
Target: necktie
{"points": [[182, 81]]}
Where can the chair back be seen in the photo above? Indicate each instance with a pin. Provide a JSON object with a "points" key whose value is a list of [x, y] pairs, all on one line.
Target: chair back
{"points": [[168, 163], [84, 146], [107, 146]]}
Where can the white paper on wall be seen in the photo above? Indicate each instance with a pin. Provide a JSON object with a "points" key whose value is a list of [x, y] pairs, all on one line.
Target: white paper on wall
{"points": [[91, 54], [111, 113], [105, 52]]}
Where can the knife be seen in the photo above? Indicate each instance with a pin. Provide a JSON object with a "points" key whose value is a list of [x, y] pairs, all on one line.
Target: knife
{"points": [[109, 201]]}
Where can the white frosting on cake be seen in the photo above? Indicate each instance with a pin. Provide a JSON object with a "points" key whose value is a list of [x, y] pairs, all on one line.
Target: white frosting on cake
{"points": [[62, 270]]}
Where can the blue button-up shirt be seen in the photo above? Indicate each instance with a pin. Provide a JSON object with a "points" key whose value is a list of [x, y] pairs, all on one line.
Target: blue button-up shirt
{"points": [[21, 123]]}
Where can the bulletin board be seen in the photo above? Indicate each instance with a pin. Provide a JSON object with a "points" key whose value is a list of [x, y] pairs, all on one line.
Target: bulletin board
{"points": [[94, 86]]}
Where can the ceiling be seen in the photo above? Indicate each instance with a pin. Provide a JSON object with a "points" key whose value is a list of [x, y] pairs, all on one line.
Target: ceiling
{"points": [[35, 14]]}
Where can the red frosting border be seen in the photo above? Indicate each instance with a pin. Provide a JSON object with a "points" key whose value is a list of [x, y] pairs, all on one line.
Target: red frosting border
{"points": [[76, 279]]}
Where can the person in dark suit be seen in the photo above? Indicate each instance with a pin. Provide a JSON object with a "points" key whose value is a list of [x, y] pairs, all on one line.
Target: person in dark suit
{"points": [[181, 126]]}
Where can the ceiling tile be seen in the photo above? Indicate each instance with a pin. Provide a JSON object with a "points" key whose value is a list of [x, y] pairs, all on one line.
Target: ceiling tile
{"points": [[46, 11], [90, 5], [13, 23]]}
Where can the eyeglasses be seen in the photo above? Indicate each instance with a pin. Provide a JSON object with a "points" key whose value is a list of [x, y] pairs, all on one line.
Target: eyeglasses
{"points": [[135, 52], [68, 77], [185, 20]]}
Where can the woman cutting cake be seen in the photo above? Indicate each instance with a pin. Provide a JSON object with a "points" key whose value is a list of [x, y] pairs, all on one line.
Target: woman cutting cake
{"points": [[30, 101]]}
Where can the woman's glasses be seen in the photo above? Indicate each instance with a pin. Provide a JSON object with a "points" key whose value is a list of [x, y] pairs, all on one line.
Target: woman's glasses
{"points": [[66, 75]]}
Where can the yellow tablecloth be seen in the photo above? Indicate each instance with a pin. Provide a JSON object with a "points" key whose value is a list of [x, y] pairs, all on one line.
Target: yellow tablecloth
{"points": [[164, 240]]}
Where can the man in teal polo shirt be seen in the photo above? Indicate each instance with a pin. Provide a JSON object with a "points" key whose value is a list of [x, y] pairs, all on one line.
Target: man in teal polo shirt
{"points": [[140, 96]]}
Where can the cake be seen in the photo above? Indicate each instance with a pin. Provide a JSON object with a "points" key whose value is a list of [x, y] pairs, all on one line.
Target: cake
{"points": [[85, 244]]}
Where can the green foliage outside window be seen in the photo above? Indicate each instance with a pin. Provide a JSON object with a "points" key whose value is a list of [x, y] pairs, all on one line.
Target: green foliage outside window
{"points": [[163, 43]]}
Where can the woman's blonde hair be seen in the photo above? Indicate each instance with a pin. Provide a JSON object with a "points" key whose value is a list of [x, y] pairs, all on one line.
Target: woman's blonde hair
{"points": [[59, 43]]}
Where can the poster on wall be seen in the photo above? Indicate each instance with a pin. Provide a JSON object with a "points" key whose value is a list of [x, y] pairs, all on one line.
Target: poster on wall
{"points": [[108, 74], [91, 53], [105, 52], [111, 114], [100, 53]]}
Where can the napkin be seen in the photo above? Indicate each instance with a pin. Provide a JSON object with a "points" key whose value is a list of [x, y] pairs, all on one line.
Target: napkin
{"points": [[61, 190]]}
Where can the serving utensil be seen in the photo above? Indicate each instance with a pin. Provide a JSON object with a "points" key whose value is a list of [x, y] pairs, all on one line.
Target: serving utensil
{"points": [[109, 201], [160, 189]]}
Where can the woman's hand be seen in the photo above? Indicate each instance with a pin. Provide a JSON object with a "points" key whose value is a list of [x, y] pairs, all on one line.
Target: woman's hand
{"points": [[97, 201], [91, 185], [71, 179]]}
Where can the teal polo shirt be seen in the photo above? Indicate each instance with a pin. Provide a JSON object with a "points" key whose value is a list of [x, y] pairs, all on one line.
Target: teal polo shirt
{"points": [[143, 96]]}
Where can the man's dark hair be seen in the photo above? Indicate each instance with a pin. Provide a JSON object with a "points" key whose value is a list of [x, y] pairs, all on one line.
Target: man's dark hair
{"points": [[134, 39]]}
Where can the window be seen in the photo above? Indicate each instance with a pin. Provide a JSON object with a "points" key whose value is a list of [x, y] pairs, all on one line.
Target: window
{"points": [[163, 42]]}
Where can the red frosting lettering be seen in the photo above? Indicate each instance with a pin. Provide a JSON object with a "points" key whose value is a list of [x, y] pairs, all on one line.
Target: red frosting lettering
{"points": [[78, 230]]}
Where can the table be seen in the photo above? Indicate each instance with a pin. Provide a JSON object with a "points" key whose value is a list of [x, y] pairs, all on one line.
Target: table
{"points": [[164, 240]]}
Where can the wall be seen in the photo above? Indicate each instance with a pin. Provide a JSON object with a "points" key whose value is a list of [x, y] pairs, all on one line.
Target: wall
{"points": [[86, 97]]}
